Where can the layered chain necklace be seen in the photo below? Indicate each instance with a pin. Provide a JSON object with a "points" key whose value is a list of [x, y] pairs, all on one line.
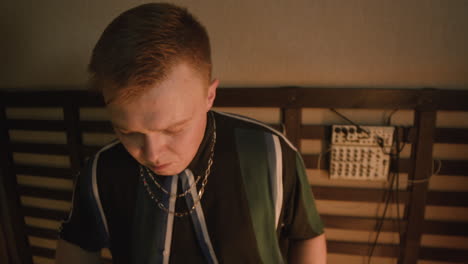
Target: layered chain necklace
{"points": [[151, 175]]}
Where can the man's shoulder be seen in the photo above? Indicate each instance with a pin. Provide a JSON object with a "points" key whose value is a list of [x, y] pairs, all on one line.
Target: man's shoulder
{"points": [[240, 122], [112, 155]]}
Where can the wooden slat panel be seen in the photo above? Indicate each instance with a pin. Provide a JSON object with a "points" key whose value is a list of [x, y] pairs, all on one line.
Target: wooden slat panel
{"points": [[63, 195], [40, 148], [444, 254], [45, 213], [353, 194], [360, 223], [447, 198], [36, 125], [445, 228], [362, 249], [11, 215], [65, 173]]}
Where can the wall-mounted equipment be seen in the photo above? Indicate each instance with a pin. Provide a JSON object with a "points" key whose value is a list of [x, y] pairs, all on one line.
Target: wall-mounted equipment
{"points": [[360, 152]]}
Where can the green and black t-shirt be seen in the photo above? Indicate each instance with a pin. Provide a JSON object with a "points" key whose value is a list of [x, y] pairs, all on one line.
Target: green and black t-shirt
{"points": [[257, 198]]}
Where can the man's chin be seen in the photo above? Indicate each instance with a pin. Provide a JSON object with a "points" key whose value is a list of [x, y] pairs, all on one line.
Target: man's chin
{"points": [[166, 170]]}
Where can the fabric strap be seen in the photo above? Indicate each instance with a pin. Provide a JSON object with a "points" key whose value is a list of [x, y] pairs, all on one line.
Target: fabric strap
{"points": [[198, 218], [153, 228], [258, 168]]}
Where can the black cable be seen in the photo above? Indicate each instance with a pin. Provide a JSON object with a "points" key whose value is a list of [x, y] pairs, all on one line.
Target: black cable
{"points": [[396, 171], [358, 127], [389, 118], [379, 225], [386, 199], [391, 192]]}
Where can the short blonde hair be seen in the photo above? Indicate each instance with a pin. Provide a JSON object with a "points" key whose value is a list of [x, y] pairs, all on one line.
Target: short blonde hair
{"points": [[139, 47]]}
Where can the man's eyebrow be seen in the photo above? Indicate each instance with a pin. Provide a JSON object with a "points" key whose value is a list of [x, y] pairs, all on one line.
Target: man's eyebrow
{"points": [[179, 123], [118, 127]]}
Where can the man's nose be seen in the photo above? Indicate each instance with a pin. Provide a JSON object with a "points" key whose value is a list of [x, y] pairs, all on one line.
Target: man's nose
{"points": [[153, 147]]}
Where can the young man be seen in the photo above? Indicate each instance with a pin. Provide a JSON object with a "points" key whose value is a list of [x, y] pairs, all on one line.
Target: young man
{"points": [[183, 184]]}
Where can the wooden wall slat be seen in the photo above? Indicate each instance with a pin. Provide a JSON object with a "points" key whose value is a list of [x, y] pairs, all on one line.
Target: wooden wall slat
{"points": [[391, 225], [36, 125], [43, 97], [40, 148], [50, 253], [358, 98], [360, 223], [444, 254], [43, 252], [65, 173], [353, 194], [62, 195], [454, 167], [362, 249], [451, 135], [249, 97], [45, 213], [445, 228], [454, 100], [42, 232], [451, 198]]}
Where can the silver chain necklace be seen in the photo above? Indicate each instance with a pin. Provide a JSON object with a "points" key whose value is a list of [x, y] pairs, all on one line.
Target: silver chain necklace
{"points": [[193, 185]]}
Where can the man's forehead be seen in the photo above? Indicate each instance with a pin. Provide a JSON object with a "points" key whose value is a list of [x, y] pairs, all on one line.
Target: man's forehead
{"points": [[171, 125], [183, 70]]}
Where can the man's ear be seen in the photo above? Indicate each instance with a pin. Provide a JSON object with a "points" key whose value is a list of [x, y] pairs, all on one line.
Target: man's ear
{"points": [[211, 95]]}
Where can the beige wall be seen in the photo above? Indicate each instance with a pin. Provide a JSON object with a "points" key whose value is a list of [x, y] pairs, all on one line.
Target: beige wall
{"points": [[383, 43]]}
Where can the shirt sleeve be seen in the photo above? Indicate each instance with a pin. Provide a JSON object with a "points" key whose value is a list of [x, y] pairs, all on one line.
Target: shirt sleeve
{"points": [[84, 226], [304, 220]]}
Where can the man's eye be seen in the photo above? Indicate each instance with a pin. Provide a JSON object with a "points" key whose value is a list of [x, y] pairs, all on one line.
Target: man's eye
{"points": [[127, 133], [175, 131]]}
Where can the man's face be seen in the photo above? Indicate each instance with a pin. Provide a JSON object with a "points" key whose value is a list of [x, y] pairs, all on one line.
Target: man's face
{"points": [[163, 128]]}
